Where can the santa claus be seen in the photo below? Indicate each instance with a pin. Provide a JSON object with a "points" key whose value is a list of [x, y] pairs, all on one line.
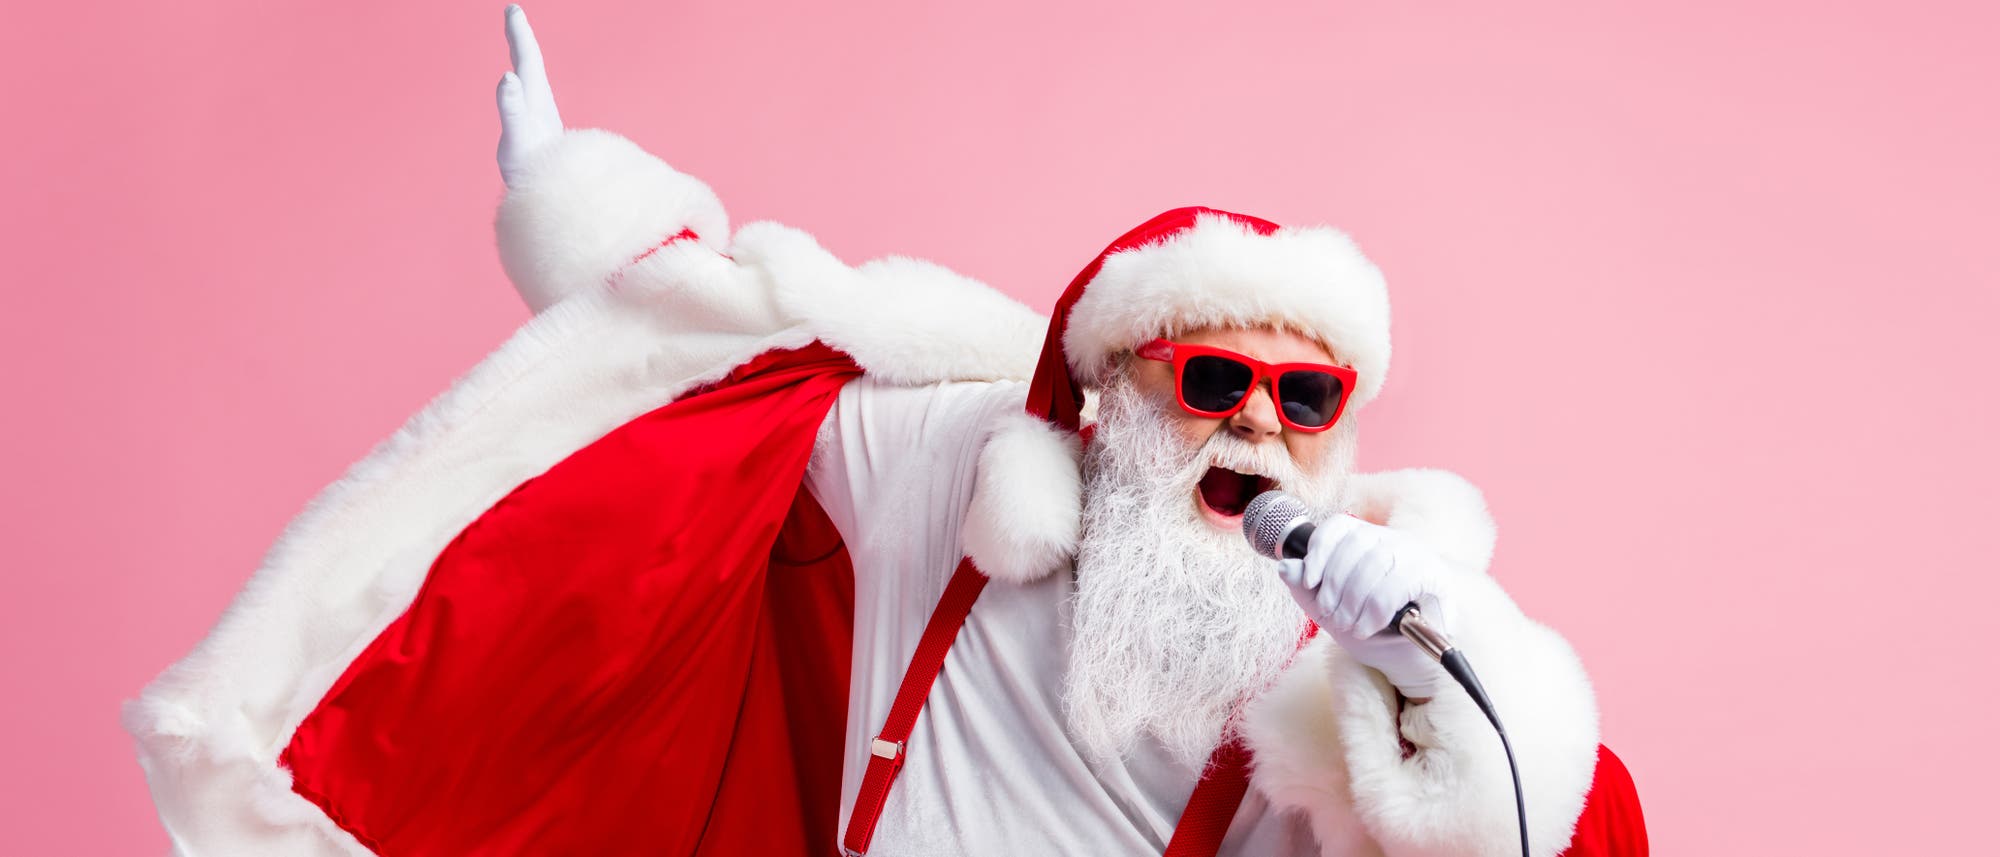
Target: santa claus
{"points": [[737, 549]]}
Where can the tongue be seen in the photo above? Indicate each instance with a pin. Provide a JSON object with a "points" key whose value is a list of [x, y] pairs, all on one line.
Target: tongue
{"points": [[1226, 491]]}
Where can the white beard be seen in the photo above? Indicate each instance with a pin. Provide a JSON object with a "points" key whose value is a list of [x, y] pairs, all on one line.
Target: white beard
{"points": [[1173, 622]]}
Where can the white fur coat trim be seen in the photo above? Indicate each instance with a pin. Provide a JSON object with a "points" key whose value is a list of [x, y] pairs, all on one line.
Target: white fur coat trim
{"points": [[1222, 273], [1325, 737], [553, 239], [1027, 500]]}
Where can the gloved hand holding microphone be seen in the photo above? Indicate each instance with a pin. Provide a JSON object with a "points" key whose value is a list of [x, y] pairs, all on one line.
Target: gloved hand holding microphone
{"points": [[1355, 577]]}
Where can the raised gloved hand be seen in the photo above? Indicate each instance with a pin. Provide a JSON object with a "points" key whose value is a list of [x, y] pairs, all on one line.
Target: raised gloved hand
{"points": [[1354, 578], [528, 117]]}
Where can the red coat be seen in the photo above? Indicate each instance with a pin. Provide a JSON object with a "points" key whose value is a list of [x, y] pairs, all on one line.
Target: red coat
{"points": [[588, 668]]}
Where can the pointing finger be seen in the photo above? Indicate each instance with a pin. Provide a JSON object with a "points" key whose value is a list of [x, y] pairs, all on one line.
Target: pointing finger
{"points": [[522, 48], [526, 53]]}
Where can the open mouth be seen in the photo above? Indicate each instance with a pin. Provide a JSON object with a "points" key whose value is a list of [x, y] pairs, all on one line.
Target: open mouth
{"points": [[1228, 493]]}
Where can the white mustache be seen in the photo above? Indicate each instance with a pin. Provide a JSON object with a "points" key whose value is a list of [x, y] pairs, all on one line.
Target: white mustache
{"points": [[1272, 460]]}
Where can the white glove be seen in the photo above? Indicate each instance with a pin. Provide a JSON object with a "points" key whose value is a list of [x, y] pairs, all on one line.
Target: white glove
{"points": [[528, 117], [1354, 578]]}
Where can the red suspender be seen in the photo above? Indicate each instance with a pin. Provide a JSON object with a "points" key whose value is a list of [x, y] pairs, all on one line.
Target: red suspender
{"points": [[886, 758], [1213, 804], [1202, 823]]}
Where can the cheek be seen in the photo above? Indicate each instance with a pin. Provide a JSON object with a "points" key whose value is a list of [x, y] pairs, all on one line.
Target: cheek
{"points": [[1157, 385], [1194, 431], [1308, 449]]}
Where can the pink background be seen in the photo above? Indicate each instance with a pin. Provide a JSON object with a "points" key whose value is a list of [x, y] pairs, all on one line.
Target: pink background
{"points": [[1703, 297]]}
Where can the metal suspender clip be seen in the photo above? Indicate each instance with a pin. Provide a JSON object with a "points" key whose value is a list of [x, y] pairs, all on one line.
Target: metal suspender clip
{"points": [[887, 749]]}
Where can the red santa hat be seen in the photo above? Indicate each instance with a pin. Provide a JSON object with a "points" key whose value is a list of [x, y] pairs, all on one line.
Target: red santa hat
{"points": [[1200, 267]]}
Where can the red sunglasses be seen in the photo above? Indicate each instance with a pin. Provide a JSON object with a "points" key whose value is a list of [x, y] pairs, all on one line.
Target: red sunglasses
{"points": [[1216, 382]]}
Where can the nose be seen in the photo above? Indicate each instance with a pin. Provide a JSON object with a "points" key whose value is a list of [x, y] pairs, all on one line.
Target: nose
{"points": [[1258, 421]]}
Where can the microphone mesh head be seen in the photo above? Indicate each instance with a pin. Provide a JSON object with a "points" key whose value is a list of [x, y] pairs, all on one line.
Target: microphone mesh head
{"points": [[1268, 518]]}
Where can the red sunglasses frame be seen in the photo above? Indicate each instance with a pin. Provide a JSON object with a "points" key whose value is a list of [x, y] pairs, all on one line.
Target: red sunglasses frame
{"points": [[1180, 353]]}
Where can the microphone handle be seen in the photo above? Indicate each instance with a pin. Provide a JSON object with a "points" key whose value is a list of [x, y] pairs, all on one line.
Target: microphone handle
{"points": [[1410, 623]]}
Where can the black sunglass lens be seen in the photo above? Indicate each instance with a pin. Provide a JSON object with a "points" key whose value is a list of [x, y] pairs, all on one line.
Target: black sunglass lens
{"points": [[1214, 383], [1309, 398]]}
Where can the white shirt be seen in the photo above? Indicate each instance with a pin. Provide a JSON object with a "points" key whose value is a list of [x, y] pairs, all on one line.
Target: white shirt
{"points": [[990, 767]]}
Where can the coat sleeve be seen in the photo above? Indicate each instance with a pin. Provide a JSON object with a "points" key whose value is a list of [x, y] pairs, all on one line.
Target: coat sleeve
{"points": [[1334, 741]]}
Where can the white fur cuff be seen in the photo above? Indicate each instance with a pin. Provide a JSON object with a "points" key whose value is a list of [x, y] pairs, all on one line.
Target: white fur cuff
{"points": [[1027, 500], [591, 203], [1454, 796]]}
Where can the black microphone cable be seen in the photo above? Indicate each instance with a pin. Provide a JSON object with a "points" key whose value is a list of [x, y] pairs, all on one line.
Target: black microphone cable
{"points": [[1410, 624]]}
